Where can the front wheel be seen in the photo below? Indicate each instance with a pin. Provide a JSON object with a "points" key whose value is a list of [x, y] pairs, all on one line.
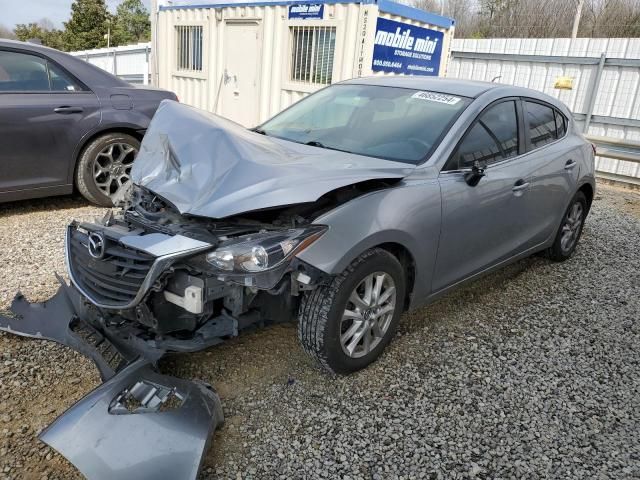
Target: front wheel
{"points": [[570, 230], [346, 324]]}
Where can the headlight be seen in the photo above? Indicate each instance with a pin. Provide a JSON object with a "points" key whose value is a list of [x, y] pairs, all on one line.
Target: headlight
{"points": [[263, 251]]}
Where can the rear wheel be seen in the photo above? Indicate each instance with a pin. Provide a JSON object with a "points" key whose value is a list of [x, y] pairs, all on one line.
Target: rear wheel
{"points": [[346, 325], [570, 230], [105, 166]]}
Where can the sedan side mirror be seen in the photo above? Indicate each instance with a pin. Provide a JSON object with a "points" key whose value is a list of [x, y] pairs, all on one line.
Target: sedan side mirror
{"points": [[477, 172]]}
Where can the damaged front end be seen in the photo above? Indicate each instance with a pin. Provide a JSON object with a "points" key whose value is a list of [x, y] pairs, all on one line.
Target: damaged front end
{"points": [[145, 283], [206, 245]]}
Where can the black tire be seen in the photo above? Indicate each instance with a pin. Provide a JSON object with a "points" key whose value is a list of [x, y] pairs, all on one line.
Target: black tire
{"points": [[86, 181], [559, 252], [321, 312]]}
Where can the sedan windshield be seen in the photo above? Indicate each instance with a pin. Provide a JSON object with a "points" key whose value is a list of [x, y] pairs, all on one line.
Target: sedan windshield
{"points": [[387, 122]]}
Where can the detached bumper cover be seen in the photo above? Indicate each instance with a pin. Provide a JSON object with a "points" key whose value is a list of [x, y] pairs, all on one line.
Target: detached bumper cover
{"points": [[139, 423], [57, 320]]}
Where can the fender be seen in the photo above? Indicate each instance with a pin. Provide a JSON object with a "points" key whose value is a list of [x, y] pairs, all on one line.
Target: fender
{"points": [[385, 216]]}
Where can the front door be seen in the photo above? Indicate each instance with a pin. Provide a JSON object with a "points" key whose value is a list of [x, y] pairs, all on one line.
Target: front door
{"points": [[489, 222], [44, 113], [241, 71]]}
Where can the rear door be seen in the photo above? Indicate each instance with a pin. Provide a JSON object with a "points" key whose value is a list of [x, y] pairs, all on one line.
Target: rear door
{"points": [[44, 113], [485, 224], [556, 167]]}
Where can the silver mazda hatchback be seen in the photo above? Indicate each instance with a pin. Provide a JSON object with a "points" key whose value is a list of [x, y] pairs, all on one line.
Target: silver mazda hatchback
{"points": [[368, 198]]}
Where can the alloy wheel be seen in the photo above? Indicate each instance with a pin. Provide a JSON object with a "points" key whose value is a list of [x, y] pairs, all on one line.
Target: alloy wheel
{"points": [[571, 228], [112, 167], [368, 314]]}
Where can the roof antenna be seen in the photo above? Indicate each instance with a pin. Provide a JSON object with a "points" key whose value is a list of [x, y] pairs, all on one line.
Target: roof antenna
{"points": [[495, 78]]}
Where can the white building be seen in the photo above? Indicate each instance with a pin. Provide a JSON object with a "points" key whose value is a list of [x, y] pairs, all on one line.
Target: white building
{"points": [[249, 60]]}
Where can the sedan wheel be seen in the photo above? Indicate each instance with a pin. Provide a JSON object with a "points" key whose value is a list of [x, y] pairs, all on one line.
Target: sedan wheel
{"points": [[346, 324], [104, 167], [112, 167]]}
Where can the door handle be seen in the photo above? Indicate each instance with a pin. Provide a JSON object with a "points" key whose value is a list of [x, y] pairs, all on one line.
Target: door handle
{"points": [[520, 185], [570, 164], [67, 110]]}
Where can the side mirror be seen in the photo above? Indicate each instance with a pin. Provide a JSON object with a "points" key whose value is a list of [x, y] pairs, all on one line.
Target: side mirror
{"points": [[477, 172]]}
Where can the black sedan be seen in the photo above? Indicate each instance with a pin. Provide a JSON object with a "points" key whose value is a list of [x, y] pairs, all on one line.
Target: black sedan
{"points": [[65, 123]]}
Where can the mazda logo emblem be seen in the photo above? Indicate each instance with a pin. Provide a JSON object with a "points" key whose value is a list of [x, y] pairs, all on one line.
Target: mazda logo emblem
{"points": [[96, 245]]}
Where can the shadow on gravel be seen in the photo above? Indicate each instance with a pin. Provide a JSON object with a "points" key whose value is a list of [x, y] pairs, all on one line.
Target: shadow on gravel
{"points": [[468, 295], [23, 207]]}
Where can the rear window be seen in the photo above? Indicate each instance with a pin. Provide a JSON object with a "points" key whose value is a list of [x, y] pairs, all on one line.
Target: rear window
{"points": [[61, 81], [561, 124], [546, 124]]}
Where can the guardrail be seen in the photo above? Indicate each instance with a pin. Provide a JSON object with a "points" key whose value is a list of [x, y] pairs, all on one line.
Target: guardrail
{"points": [[603, 100], [618, 149]]}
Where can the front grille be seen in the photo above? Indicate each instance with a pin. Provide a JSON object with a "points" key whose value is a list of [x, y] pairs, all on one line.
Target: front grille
{"points": [[113, 280]]}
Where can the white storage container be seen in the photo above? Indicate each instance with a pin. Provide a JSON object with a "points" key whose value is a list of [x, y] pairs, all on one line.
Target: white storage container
{"points": [[248, 61]]}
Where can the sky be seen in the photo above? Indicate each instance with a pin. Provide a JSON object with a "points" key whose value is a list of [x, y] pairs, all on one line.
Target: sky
{"points": [[27, 11]]}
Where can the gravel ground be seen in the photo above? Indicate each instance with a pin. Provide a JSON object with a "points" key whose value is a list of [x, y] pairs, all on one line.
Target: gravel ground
{"points": [[532, 372]]}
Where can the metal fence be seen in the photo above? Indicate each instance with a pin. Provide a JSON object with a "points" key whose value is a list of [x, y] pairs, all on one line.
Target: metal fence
{"points": [[129, 62], [605, 97]]}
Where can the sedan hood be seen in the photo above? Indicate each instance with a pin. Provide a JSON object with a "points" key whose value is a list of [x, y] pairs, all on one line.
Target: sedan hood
{"points": [[208, 166]]}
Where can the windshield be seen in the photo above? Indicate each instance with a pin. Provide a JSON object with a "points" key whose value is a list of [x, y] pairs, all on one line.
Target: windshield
{"points": [[387, 122]]}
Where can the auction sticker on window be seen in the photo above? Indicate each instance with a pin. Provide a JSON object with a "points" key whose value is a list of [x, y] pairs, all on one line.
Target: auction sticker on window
{"points": [[436, 97]]}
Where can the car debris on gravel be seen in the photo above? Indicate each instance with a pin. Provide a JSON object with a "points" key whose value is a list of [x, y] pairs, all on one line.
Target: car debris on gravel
{"points": [[531, 372]]}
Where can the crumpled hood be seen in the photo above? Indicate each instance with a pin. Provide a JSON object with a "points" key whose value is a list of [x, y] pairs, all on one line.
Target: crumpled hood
{"points": [[208, 166]]}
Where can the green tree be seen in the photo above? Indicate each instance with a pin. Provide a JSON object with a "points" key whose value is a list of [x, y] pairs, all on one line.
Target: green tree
{"points": [[131, 23], [87, 26], [43, 31]]}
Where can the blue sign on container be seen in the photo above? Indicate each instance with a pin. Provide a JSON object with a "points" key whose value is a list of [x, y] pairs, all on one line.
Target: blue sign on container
{"points": [[408, 49], [306, 10]]}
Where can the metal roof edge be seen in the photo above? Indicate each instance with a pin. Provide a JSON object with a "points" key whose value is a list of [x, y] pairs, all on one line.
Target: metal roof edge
{"points": [[258, 3], [387, 6], [395, 8]]}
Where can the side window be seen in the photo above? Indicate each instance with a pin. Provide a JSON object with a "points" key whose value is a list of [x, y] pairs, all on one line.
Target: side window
{"points": [[542, 124], [60, 81], [494, 137], [20, 72], [561, 124]]}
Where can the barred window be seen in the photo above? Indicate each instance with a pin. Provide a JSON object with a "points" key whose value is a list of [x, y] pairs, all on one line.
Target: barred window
{"points": [[312, 54], [189, 48]]}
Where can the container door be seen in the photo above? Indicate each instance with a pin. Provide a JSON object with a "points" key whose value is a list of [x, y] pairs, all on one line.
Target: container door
{"points": [[241, 73]]}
